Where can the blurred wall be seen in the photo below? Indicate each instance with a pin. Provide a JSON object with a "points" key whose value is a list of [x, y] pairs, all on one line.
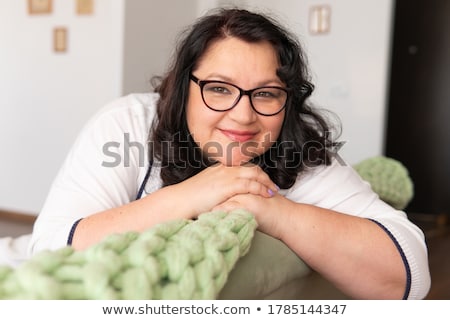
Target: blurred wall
{"points": [[150, 32], [46, 96]]}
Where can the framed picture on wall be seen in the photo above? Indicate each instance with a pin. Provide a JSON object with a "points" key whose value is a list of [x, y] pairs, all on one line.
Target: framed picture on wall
{"points": [[39, 6], [319, 19], [85, 7], [60, 39]]}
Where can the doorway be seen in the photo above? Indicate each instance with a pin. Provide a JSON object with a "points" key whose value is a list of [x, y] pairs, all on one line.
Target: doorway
{"points": [[418, 115]]}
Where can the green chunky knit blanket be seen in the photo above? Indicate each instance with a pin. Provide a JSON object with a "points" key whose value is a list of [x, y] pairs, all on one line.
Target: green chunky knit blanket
{"points": [[389, 178], [183, 259]]}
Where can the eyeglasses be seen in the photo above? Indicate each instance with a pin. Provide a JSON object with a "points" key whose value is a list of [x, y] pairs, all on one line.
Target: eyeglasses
{"points": [[223, 96]]}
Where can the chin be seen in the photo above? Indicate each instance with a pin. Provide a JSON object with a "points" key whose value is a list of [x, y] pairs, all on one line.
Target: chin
{"points": [[234, 162]]}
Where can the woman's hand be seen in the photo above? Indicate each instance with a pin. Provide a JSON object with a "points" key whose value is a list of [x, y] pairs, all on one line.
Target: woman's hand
{"points": [[270, 213], [217, 184]]}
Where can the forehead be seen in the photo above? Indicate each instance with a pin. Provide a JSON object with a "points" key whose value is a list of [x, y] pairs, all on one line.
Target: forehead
{"points": [[245, 64], [232, 52]]}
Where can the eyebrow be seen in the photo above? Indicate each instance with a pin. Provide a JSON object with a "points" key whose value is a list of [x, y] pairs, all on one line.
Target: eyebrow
{"points": [[222, 77]]}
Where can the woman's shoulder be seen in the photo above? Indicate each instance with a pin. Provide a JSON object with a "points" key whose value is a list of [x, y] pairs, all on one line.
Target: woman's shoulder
{"points": [[336, 170], [134, 104], [323, 182], [130, 112]]}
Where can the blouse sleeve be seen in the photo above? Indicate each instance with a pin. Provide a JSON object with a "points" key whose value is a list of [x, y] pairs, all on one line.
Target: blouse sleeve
{"points": [[339, 187], [101, 171]]}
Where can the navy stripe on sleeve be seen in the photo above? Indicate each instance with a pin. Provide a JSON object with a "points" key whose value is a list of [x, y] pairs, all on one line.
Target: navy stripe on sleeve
{"points": [[402, 254], [72, 231]]}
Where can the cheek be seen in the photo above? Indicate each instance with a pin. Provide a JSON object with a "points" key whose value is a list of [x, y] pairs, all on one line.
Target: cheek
{"points": [[273, 127], [200, 120], [189, 118], [193, 108]]}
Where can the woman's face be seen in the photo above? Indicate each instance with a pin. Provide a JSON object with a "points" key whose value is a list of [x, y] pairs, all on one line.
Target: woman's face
{"points": [[235, 136]]}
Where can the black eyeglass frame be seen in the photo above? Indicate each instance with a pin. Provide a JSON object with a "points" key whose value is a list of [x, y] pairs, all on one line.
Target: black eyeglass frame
{"points": [[242, 92]]}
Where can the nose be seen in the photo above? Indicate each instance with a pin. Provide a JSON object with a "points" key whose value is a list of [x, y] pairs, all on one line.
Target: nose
{"points": [[243, 112]]}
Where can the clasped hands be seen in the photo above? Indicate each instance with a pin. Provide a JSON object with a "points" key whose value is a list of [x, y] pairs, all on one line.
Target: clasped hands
{"points": [[226, 188]]}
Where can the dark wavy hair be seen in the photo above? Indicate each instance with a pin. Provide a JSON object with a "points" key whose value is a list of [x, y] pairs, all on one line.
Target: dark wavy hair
{"points": [[304, 139]]}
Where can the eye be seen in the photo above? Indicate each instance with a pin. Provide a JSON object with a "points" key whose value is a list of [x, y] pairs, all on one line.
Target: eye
{"points": [[264, 94], [217, 88], [268, 93]]}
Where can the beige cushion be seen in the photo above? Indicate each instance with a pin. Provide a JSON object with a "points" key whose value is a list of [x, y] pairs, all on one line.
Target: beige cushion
{"points": [[271, 270]]}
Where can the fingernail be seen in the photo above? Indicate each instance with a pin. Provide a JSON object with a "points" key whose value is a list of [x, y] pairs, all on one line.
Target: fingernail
{"points": [[271, 193], [278, 188]]}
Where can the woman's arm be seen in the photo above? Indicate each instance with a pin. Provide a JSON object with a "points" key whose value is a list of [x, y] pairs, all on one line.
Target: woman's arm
{"points": [[185, 200], [338, 226], [354, 253]]}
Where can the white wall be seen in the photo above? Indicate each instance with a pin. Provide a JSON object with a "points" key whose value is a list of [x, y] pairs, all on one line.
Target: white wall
{"points": [[349, 66], [151, 29], [46, 96]]}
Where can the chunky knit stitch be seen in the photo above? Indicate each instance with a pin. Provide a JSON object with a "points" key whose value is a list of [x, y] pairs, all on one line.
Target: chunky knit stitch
{"points": [[182, 259], [389, 178]]}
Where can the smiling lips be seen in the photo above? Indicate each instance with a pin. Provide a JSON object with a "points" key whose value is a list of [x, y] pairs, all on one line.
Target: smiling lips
{"points": [[238, 136]]}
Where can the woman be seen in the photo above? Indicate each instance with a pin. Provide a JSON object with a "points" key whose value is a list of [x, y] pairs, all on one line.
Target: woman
{"points": [[229, 128]]}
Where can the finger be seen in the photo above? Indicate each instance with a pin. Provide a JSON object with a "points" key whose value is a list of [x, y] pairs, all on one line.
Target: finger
{"points": [[255, 173], [254, 187]]}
